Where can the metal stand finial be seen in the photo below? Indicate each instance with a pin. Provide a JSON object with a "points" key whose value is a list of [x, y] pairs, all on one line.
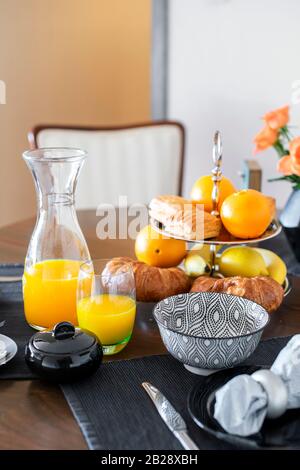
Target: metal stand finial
{"points": [[216, 172], [216, 177]]}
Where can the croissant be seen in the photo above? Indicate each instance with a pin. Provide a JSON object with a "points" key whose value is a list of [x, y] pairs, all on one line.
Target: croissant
{"points": [[152, 284], [183, 218], [260, 289]]}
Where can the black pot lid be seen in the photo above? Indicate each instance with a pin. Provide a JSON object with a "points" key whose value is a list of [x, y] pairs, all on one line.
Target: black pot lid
{"points": [[63, 339]]}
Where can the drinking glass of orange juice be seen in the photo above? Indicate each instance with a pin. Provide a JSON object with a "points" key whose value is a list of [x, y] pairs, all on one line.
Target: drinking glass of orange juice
{"points": [[106, 303]]}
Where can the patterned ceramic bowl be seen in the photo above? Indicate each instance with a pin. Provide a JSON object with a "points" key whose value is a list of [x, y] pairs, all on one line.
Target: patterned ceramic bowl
{"points": [[208, 331]]}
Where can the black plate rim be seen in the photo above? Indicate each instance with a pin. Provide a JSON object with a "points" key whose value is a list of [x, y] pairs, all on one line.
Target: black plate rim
{"points": [[232, 439]]}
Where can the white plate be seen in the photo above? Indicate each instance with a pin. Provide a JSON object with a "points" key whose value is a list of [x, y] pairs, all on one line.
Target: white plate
{"points": [[11, 348]]}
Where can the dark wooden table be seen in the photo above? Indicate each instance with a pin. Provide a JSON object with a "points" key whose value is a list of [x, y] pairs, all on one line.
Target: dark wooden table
{"points": [[34, 415]]}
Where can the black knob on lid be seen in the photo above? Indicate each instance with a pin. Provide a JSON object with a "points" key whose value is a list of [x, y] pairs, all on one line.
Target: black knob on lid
{"points": [[63, 330]]}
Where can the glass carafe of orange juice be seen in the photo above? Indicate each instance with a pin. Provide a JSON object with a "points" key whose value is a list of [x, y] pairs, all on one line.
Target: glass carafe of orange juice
{"points": [[57, 247]]}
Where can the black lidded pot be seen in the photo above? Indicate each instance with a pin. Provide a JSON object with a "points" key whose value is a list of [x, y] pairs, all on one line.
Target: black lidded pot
{"points": [[64, 354]]}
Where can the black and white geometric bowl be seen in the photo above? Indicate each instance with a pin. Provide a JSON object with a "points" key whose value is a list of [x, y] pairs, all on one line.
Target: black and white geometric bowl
{"points": [[209, 331]]}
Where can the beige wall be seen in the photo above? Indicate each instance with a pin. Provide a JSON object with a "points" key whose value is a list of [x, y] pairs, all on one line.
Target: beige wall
{"points": [[67, 61]]}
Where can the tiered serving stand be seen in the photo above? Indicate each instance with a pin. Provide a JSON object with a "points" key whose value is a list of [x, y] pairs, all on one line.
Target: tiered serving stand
{"points": [[224, 237]]}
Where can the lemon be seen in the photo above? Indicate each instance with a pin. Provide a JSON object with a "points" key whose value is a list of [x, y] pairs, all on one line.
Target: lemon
{"points": [[203, 250], [275, 265], [195, 265], [242, 261]]}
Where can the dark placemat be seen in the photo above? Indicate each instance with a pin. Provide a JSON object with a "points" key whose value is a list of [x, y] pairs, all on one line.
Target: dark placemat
{"points": [[11, 291], [12, 311], [16, 327], [115, 413]]}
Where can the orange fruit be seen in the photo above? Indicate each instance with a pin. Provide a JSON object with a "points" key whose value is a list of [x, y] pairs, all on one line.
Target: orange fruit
{"points": [[202, 191], [157, 250], [246, 214]]}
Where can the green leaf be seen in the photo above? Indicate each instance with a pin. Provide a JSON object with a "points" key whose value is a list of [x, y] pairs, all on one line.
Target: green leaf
{"points": [[294, 179], [280, 178], [278, 146], [285, 131]]}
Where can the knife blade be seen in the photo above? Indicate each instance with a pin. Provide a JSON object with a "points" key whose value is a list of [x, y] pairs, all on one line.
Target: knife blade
{"points": [[170, 416]]}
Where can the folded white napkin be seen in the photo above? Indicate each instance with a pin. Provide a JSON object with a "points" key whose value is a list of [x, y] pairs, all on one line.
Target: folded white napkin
{"points": [[243, 403]]}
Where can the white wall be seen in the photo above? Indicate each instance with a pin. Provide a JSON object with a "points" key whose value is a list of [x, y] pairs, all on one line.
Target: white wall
{"points": [[230, 61]]}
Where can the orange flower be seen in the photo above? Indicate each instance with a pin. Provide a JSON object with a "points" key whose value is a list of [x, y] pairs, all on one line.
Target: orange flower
{"points": [[295, 168], [277, 118], [265, 138], [295, 149], [295, 155], [290, 164], [284, 165]]}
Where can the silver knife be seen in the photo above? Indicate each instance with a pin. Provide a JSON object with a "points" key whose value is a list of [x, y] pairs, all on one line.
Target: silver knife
{"points": [[170, 416], [10, 278]]}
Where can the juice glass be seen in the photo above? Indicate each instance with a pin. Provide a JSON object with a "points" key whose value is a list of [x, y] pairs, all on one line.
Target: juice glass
{"points": [[106, 303]]}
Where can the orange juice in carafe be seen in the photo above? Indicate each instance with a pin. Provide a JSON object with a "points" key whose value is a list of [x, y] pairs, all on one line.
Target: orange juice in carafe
{"points": [[57, 246], [49, 291]]}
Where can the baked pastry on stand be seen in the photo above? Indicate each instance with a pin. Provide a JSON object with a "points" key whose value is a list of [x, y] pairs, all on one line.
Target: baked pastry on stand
{"points": [[183, 218]]}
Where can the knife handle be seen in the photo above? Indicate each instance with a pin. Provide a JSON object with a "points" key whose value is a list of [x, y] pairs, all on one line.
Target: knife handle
{"points": [[10, 278], [185, 440]]}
